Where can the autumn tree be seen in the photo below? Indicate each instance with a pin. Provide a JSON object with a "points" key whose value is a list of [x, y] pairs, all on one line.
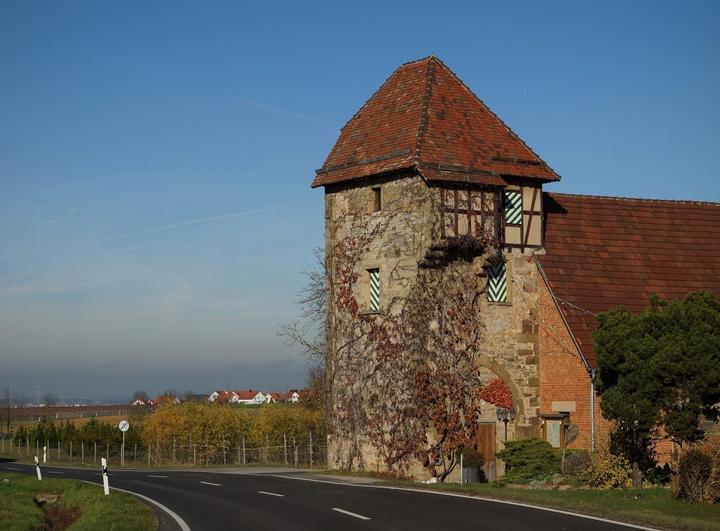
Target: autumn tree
{"points": [[309, 331], [497, 393]]}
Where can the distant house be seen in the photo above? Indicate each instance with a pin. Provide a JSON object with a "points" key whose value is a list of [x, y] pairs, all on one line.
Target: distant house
{"points": [[275, 396], [138, 402], [249, 397], [222, 397], [163, 399], [293, 395]]}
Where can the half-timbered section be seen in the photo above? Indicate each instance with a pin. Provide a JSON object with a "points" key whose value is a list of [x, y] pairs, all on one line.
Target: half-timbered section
{"points": [[467, 211], [522, 216]]}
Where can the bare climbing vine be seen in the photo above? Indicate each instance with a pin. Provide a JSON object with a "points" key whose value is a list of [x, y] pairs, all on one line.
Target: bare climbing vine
{"points": [[405, 380]]}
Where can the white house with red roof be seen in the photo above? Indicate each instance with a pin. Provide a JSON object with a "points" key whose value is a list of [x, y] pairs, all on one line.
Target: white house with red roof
{"points": [[249, 397]]}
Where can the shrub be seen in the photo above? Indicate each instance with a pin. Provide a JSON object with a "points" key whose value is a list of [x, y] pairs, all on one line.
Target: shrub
{"points": [[713, 492], [576, 462], [658, 475], [472, 458], [608, 471], [711, 447], [527, 459], [694, 471]]}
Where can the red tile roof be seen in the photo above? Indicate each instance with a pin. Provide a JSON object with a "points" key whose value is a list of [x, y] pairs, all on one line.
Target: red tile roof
{"points": [[603, 252], [424, 118], [248, 394], [224, 396]]}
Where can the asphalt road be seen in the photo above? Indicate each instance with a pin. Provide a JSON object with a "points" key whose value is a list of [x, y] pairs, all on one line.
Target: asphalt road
{"points": [[215, 500]]}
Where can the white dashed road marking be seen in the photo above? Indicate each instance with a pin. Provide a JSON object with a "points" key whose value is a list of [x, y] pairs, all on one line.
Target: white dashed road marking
{"points": [[155, 476], [271, 494], [213, 484], [354, 515]]}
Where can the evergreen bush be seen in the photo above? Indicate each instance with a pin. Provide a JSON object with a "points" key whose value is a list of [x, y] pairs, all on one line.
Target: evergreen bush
{"points": [[527, 459]]}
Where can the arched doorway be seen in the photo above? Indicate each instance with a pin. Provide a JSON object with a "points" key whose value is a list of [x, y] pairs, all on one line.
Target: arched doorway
{"points": [[491, 433]]}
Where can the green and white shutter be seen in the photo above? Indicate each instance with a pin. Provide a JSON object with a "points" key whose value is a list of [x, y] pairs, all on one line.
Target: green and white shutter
{"points": [[374, 290], [512, 204], [497, 282]]}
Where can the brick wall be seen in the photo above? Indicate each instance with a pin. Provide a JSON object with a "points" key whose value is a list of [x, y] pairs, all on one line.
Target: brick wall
{"points": [[564, 380]]}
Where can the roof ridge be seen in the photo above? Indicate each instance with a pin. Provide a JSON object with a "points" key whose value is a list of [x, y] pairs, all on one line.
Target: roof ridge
{"points": [[414, 61], [488, 109], [644, 199], [422, 123], [373, 95], [428, 58]]}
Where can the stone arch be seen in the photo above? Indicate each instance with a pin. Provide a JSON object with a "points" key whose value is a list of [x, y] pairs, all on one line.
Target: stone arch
{"points": [[486, 361]]}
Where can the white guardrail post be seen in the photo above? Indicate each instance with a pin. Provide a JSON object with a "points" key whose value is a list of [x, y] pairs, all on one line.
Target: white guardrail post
{"points": [[106, 483]]}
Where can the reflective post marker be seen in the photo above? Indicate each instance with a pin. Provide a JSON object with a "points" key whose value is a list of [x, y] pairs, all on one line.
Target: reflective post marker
{"points": [[44, 454], [37, 468], [106, 483]]}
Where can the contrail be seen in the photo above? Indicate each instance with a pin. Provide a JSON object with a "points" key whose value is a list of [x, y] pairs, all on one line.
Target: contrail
{"points": [[272, 110], [59, 218], [190, 222]]}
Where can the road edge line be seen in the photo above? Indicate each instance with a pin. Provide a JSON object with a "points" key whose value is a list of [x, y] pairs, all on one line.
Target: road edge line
{"points": [[178, 519], [469, 496]]}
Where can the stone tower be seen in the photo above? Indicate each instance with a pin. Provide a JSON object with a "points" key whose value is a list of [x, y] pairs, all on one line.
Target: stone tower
{"points": [[424, 162]]}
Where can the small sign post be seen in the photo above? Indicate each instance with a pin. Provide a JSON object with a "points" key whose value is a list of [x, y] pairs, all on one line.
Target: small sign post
{"points": [[37, 468], [124, 426], [44, 455], [106, 483]]}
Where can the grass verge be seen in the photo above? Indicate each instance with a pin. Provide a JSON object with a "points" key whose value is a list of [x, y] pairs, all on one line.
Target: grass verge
{"points": [[26, 503], [652, 507]]}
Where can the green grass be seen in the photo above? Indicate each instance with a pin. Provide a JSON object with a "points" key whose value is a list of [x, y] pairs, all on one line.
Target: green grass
{"points": [[118, 511], [654, 506]]}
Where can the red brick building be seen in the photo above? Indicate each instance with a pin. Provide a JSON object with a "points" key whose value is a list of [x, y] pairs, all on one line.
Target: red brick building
{"points": [[425, 160]]}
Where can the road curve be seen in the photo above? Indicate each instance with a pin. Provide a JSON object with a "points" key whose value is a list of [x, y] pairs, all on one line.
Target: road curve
{"points": [[214, 500]]}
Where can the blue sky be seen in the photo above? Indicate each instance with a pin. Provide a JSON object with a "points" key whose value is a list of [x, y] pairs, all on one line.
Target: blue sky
{"points": [[155, 158]]}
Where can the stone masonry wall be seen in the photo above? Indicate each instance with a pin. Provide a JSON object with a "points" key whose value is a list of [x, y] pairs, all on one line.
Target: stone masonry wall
{"points": [[401, 233], [392, 240]]}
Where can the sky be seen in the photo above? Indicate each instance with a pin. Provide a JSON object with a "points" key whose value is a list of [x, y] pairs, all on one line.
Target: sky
{"points": [[156, 157]]}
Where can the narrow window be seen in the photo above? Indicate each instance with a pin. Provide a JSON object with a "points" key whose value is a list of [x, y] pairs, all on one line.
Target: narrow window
{"points": [[377, 199], [512, 204], [374, 275], [497, 282]]}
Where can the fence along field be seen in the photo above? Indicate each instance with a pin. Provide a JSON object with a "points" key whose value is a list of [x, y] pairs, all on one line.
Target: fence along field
{"points": [[35, 414], [187, 434]]}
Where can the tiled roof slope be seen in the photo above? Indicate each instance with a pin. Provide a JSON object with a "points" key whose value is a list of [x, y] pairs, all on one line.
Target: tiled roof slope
{"points": [[602, 252], [424, 117]]}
